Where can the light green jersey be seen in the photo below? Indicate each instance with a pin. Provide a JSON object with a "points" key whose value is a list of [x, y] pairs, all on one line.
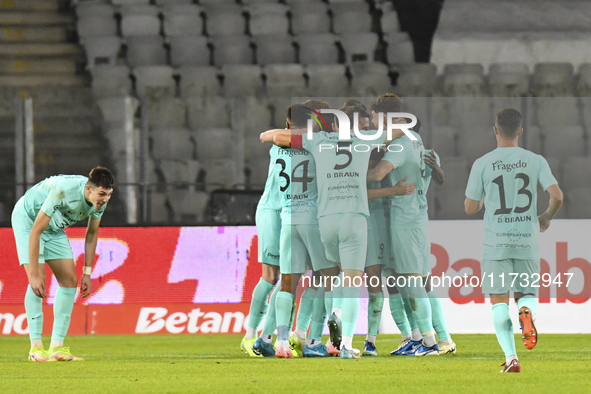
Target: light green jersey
{"points": [[341, 168], [276, 179], [408, 211], [60, 197], [427, 177], [508, 177], [301, 196]]}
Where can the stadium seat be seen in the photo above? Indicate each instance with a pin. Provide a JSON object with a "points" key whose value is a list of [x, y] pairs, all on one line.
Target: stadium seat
{"points": [[172, 144], [327, 80], [140, 20], [457, 170], [418, 106], [586, 109], [584, 80], [463, 80], [279, 106], [218, 173], [166, 112], [268, 18], [553, 79], [350, 17], [113, 109], [359, 47], [111, 81], [573, 168], [274, 49], [173, 2], [470, 112], [213, 143], [130, 2], [318, 48], [158, 208], [101, 50], [189, 50], [188, 206], [309, 18], [145, 51], [205, 113], [285, 79], [389, 20], [400, 49], [179, 173], [449, 204], [556, 111], [443, 141], [183, 19], [418, 80], [232, 50], [256, 117], [508, 79], [199, 81], [564, 142], [95, 20], [533, 139], [154, 82], [474, 142], [224, 19], [578, 203], [242, 80], [369, 79]]}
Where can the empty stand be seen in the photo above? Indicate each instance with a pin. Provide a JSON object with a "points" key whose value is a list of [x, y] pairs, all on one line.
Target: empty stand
{"points": [[285, 80], [369, 79], [213, 143], [111, 81], [351, 17], [101, 50], [400, 49], [274, 49], [189, 50], [204, 113], [268, 18], [199, 81], [317, 48], [359, 47], [172, 144], [154, 82], [508, 79], [182, 19], [309, 18], [418, 79], [232, 50], [140, 20], [224, 19], [327, 80], [167, 112], [145, 51], [242, 80]]}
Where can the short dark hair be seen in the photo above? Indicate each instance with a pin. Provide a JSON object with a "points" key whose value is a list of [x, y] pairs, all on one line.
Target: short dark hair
{"points": [[101, 177], [297, 115], [350, 112], [316, 104], [509, 122], [387, 103], [355, 103]]}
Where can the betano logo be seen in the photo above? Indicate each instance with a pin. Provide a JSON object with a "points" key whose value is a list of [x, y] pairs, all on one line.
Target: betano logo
{"points": [[345, 124]]}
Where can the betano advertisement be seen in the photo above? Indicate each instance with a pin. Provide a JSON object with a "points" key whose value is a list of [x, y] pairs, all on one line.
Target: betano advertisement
{"points": [[198, 280]]}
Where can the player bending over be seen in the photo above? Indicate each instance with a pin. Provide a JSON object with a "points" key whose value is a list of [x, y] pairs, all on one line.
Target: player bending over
{"points": [[38, 222], [505, 182]]}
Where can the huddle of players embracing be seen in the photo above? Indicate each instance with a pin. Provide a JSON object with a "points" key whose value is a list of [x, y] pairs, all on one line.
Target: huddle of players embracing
{"points": [[342, 207]]}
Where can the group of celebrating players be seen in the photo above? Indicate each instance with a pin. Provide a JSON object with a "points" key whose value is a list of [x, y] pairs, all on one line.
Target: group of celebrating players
{"points": [[334, 207]]}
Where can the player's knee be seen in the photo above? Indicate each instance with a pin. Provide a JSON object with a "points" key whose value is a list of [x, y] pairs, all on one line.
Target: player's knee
{"points": [[70, 280]]}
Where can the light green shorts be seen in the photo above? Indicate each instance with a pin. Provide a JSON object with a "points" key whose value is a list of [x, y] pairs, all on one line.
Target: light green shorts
{"points": [[409, 250], [301, 248], [345, 238], [373, 256], [53, 245], [500, 276], [383, 231], [268, 224]]}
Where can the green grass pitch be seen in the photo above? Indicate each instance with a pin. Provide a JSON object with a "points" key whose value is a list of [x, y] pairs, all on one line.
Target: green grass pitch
{"points": [[185, 363]]}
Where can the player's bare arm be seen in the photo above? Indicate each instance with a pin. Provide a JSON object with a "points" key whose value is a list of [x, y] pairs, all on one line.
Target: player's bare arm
{"points": [[556, 199], [380, 171], [267, 136], [473, 206], [399, 189], [36, 271], [89, 253], [282, 138], [436, 172]]}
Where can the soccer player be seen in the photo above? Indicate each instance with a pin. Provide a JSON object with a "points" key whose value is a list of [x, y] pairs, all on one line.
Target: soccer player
{"points": [[342, 214], [38, 222], [268, 223], [409, 222], [505, 182]]}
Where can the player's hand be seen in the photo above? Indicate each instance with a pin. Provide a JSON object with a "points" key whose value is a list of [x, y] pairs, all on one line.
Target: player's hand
{"points": [[544, 223], [401, 188], [85, 286], [430, 159], [37, 282]]}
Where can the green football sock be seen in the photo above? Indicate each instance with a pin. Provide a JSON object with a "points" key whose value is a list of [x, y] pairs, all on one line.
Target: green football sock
{"points": [[504, 328], [530, 301], [283, 307], [337, 295], [293, 311], [350, 310], [62, 312], [270, 321], [328, 301], [34, 309], [318, 316], [399, 314], [306, 308], [409, 313], [374, 312], [258, 306], [438, 319]]}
